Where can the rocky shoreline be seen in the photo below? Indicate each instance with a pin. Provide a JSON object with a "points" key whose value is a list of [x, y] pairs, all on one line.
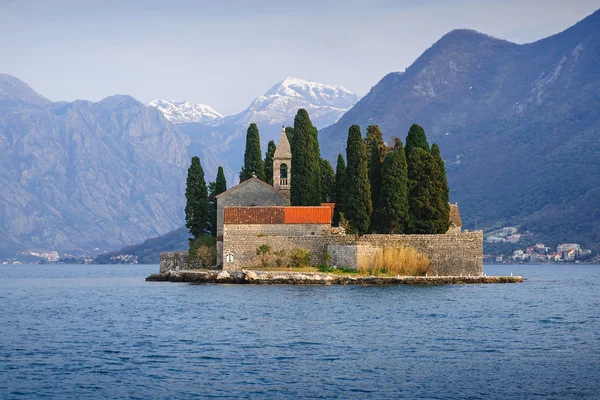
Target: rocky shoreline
{"points": [[312, 278]]}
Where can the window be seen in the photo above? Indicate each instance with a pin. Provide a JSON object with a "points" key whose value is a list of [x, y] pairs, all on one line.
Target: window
{"points": [[283, 171]]}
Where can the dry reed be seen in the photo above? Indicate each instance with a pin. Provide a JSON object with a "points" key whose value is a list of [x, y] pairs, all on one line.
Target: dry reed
{"points": [[405, 261]]}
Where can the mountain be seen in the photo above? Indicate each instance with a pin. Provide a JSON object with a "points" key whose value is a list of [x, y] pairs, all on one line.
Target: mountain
{"points": [[82, 175], [149, 251], [226, 137], [15, 93], [518, 126], [324, 103], [182, 111]]}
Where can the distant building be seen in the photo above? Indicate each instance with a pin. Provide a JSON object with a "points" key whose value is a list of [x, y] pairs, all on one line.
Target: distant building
{"points": [[509, 230], [568, 247]]}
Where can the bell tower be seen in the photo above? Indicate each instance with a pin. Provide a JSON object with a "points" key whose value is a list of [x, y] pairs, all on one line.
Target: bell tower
{"points": [[282, 164]]}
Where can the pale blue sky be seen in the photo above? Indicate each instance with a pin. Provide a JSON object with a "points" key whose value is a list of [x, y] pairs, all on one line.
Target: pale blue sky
{"points": [[225, 53]]}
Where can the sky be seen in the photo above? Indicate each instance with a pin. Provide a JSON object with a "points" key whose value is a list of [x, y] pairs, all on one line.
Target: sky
{"points": [[226, 53]]}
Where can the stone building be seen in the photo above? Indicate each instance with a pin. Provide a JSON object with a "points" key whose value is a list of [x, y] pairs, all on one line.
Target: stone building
{"points": [[282, 165], [250, 193]]}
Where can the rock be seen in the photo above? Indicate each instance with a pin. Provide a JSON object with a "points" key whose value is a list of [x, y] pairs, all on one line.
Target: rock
{"points": [[223, 275], [328, 278], [251, 276]]}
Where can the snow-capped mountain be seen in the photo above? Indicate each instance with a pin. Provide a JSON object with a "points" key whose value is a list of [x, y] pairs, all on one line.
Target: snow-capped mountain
{"points": [[324, 103], [180, 112]]}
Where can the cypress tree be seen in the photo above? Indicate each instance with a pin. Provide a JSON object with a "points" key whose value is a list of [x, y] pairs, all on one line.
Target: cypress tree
{"points": [[215, 189], [253, 162], [357, 203], [305, 184], [394, 192], [377, 150], [422, 174], [340, 189], [328, 187], [221, 183], [196, 194], [269, 162], [416, 138], [441, 199]]}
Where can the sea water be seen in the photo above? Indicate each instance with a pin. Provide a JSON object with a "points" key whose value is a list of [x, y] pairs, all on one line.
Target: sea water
{"points": [[74, 332]]}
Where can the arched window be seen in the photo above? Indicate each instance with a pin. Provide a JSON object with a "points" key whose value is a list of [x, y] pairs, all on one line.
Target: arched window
{"points": [[283, 171]]}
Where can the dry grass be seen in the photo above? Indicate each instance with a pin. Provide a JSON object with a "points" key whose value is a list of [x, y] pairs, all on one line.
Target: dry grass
{"points": [[405, 261]]}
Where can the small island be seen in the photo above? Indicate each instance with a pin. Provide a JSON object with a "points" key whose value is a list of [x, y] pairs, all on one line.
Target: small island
{"points": [[383, 217]]}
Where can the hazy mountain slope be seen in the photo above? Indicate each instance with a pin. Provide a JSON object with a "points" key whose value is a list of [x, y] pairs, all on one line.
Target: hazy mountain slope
{"points": [[83, 175], [149, 251], [517, 124]]}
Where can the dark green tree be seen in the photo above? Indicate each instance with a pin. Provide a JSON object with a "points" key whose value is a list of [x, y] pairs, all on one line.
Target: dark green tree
{"points": [[376, 150], [340, 189], [305, 183], [253, 162], [269, 162], [289, 132], [196, 194], [416, 138], [215, 189], [422, 175], [441, 198], [393, 206], [357, 202], [328, 187]]}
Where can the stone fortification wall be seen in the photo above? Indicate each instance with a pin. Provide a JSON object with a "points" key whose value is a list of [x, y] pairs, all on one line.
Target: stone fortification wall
{"points": [[173, 261], [450, 255], [241, 242]]}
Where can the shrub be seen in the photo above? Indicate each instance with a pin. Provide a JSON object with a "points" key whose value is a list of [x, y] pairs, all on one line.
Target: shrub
{"points": [[300, 257], [279, 257], [395, 261], [263, 251], [203, 250], [327, 259]]}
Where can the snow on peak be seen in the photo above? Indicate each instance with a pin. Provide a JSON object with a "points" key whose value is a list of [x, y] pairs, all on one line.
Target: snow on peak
{"points": [[325, 103], [183, 111]]}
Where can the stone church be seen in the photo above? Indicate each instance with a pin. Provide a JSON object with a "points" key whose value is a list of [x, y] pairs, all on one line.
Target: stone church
{"points": [[254, 214]]}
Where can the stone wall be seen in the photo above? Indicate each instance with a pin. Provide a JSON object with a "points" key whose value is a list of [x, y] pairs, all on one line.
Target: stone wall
{"points": [[242, 241], [173, 261], [450, 255]]}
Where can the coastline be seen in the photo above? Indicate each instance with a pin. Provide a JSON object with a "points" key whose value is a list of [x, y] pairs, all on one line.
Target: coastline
{"points": [[315, 278]]}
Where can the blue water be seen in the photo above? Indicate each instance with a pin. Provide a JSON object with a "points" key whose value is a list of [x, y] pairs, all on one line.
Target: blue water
{"points": [[102, 332]]}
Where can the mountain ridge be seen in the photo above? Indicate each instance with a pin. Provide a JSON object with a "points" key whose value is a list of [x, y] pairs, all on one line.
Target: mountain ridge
{"points": [[494, 107]]}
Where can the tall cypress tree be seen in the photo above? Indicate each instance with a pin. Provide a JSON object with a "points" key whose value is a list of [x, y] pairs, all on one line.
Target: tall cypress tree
{"points": [[269, 162], [305, 183], [357, 203], [196, 194], [215, 189], [441, 198], [340, 189], [253, 162], [328, 187], [416, 138], [422, 174], [377, 150], [394, 192]]}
